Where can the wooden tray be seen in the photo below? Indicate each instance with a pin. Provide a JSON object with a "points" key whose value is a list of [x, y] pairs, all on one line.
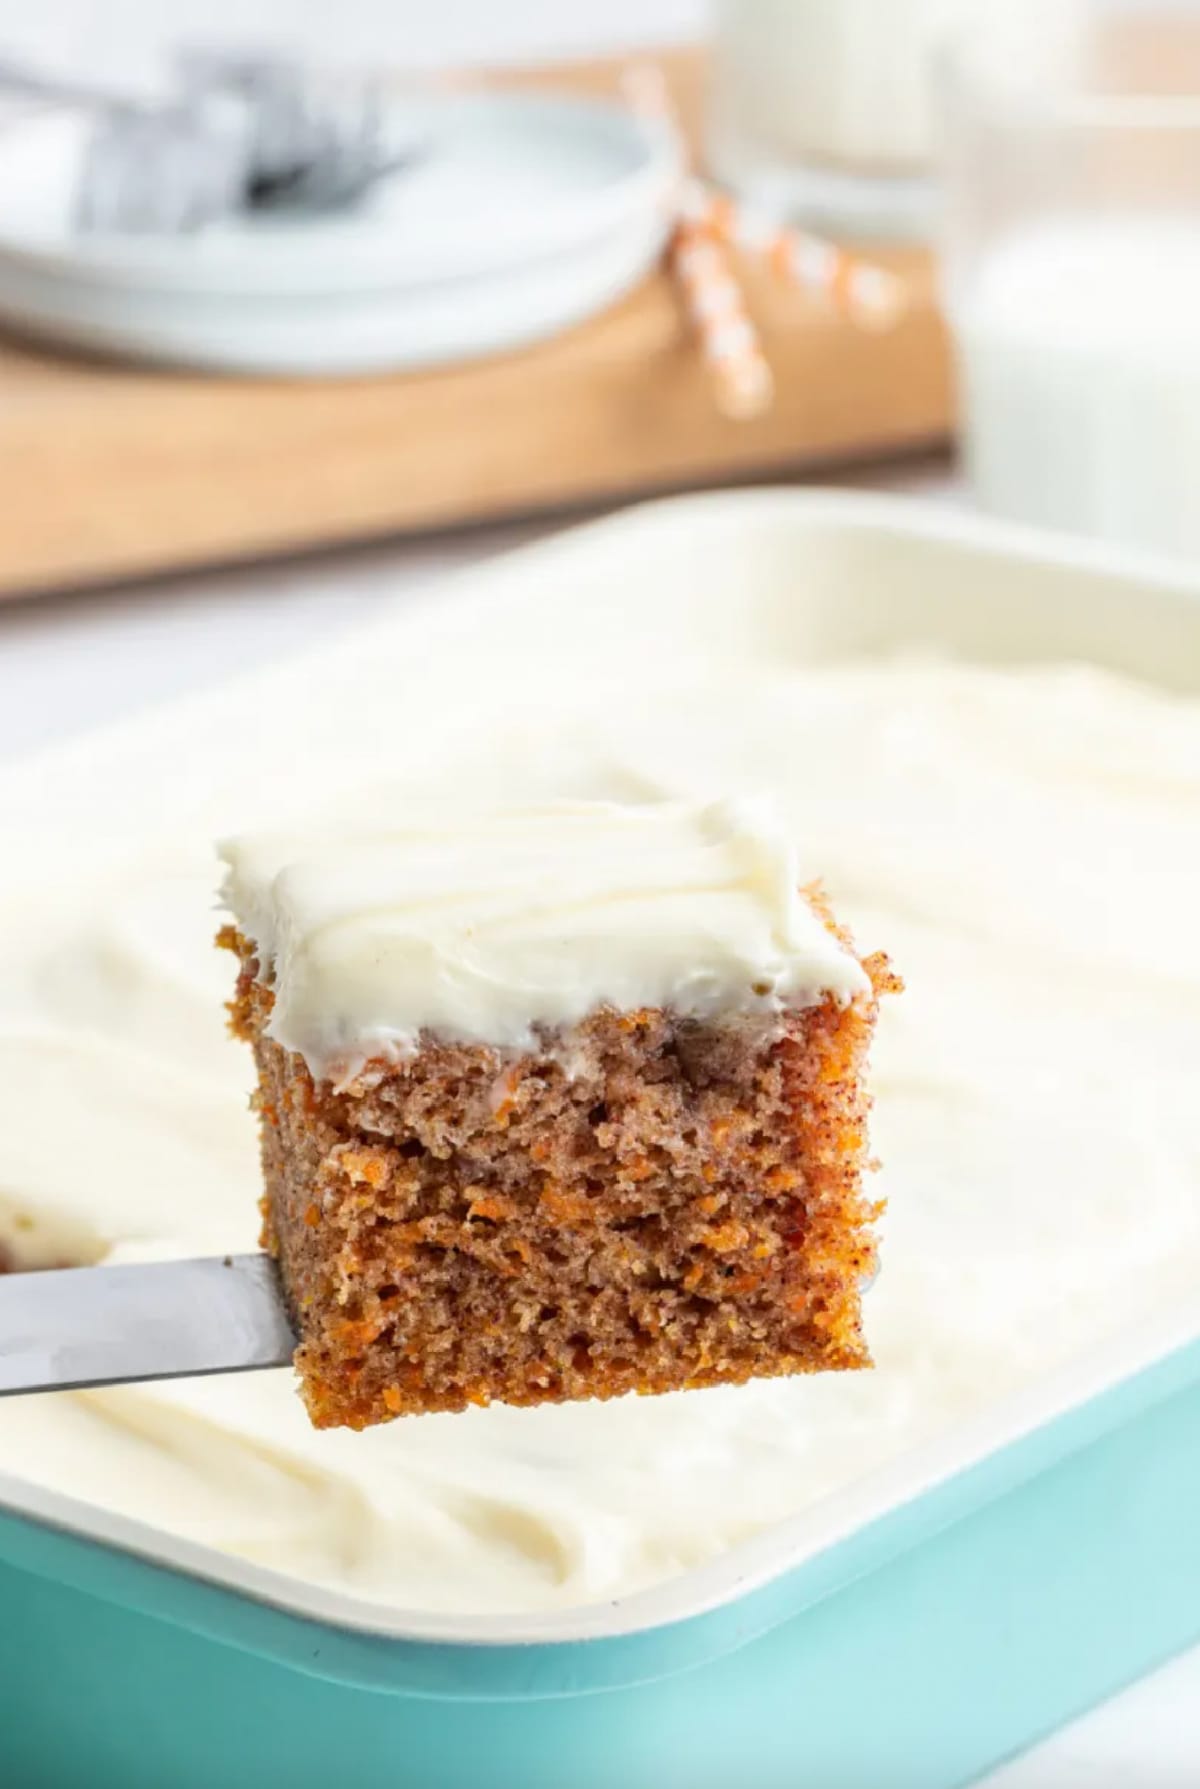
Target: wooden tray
{"points": [[109, 471]]}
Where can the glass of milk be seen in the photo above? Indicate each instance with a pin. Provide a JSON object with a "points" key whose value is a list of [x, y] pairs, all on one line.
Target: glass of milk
{"points": [[823, 110], [1072, 273]]}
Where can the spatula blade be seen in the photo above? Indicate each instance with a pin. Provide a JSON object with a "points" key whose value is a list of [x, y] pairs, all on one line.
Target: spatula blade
{"points": [[73, 1327]]}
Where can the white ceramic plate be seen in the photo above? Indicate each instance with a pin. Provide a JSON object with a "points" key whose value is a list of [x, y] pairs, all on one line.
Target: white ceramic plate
{"points": [[503, 179], [337, 334], [525, 214]]}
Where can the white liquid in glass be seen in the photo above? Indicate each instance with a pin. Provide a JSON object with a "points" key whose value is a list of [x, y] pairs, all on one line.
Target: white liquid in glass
{"points": [[847, 83], [1079, 346]]}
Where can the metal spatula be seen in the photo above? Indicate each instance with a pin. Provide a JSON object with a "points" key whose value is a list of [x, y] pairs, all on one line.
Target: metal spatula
{"points": [[80, 1326]]}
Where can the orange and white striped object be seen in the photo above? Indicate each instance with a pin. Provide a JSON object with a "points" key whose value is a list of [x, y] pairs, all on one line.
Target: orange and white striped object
{"points": [[701, 268], [717, 311], [870, 296], [710, 224]]}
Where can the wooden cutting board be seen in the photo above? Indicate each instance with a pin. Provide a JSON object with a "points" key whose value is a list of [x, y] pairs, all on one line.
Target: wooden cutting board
{"points": [[109, 471]]}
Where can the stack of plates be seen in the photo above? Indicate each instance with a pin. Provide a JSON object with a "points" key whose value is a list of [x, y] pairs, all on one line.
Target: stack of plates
{"points": [[522, 215]]}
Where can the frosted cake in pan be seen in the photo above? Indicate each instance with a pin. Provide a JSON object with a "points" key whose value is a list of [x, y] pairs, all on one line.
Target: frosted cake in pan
{"points": [[1023, 837]]}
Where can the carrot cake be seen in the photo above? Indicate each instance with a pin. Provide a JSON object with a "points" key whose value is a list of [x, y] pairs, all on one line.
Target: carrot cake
{"points": [[555, 1104]]}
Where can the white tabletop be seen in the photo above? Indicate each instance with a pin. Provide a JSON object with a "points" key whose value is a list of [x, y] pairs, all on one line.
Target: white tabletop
{"points": [[70, 662]]}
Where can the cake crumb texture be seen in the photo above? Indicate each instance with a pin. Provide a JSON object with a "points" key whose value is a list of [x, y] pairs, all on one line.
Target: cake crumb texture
{"points": [[642, 1203]]}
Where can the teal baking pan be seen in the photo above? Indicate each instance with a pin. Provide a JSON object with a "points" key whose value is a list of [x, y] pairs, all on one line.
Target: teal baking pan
{"points": [[922, 1648], [929, 1620]]}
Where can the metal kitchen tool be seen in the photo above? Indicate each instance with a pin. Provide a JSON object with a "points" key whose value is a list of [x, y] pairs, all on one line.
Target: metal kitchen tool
{"points": [[79, 1326]]}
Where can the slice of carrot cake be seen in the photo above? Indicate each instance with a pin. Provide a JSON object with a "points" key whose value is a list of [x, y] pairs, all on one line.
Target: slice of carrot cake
{"points": [[556, 1103]]}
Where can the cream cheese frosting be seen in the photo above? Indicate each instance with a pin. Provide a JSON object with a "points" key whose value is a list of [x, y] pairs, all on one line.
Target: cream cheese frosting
{"points": [[1024, 842], [477, 931]]}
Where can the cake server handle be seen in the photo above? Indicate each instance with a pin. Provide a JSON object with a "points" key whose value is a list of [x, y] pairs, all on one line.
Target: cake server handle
{"points": [[66, 1328]]}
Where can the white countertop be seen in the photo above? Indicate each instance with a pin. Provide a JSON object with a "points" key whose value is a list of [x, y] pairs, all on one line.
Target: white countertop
{"points": [[70, 662]]}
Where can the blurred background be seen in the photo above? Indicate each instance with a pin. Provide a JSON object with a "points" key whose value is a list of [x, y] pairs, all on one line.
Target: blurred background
{"points": [[733, 240], [115, 36], [302, 305], [811, 235]]}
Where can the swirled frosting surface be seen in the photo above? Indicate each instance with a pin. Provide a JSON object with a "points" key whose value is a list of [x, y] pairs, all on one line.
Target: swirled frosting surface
{"points": [[479, 930], [1026, 845]]}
